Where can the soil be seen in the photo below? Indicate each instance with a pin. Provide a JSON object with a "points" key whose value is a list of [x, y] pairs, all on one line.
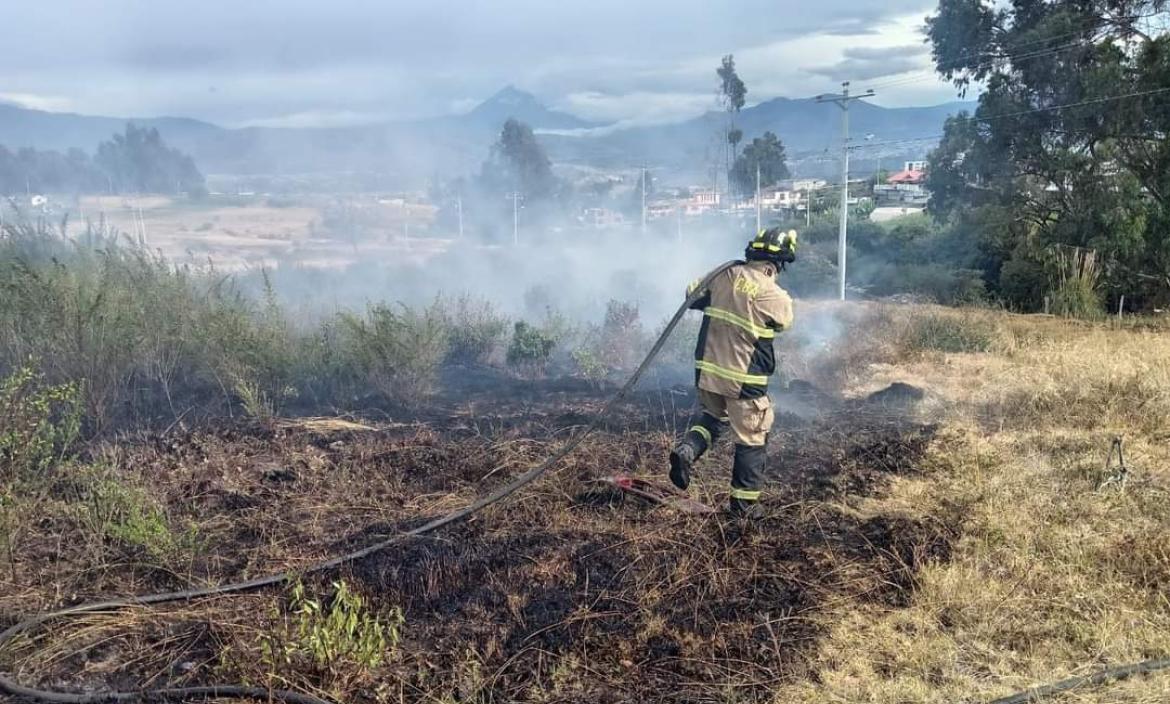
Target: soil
{"points": [[570, 591]]}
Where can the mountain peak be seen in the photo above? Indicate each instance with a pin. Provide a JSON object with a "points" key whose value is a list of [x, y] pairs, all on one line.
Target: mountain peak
{"points": [[510, 101], [511, 95]]}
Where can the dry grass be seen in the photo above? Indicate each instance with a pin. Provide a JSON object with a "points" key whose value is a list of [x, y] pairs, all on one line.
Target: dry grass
{"points": [[1054, 576]]}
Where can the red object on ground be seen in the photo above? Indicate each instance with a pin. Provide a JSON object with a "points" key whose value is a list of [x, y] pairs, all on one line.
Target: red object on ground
{"points": [[659, 493]]}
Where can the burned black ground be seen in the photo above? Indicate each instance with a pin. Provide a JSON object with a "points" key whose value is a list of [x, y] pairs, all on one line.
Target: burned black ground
{"points": [[568, 592]]}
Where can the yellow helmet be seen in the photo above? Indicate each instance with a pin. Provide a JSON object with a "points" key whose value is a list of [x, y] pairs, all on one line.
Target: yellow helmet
{"points": [[773, 245]]}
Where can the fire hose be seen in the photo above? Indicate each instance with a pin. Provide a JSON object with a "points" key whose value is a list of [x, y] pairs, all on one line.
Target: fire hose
{"points": [[9, 684]]}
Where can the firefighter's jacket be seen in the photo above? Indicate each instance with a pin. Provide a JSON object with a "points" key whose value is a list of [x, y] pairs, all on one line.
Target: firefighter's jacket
{"points": [[743, 309]]}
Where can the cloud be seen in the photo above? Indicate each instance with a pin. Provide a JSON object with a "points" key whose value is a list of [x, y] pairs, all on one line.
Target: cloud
{"points": [[320, 118], [861, 70], [636, 107], [863, 63], [305, 61], [33, 101]]}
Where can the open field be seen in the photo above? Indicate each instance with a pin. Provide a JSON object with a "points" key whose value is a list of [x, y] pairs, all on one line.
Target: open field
{"points": [[248, 232], [940, 524]]}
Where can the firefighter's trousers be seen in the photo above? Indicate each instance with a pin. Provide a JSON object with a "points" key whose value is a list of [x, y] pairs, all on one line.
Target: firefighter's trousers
{"points": [[749, 421]]}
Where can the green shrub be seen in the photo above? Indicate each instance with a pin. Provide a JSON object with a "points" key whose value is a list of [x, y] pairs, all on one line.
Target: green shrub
{"points": [[397, 351], [935, 282], [621, 335], [39, 423], [530, 348], [476, 331], [589, 364], [1022, 281]]}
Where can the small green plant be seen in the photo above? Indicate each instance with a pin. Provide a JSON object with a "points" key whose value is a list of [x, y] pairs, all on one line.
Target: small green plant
{"points": [[589, 364], [124, 514], [339, 640], [256, 403], [530, 348], [39, 423]]}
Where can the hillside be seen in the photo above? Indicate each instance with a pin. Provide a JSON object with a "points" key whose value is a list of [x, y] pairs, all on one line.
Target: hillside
{"points": [[806, 127], [409, 152]]}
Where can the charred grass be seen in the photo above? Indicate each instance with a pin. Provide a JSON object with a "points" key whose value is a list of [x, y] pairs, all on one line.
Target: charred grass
{"points": [[571, 592]]}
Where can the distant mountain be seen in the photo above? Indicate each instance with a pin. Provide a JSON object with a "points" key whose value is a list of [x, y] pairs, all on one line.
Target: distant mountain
{"points": [[61, 131], [525, 107], [409, 153], [807, 128]]}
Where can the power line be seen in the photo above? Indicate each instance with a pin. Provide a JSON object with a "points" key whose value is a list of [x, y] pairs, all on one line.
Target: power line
{"points": [[1085, 26], [1094, 101], [929, 72], [993, 58], [1021, 113]]}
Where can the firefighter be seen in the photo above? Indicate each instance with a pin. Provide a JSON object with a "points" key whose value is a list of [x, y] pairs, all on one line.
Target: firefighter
{"points": [[743, 309]]}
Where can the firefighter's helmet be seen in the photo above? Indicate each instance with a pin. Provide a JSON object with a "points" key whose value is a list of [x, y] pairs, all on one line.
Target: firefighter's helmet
{"points": [[773, 245]]}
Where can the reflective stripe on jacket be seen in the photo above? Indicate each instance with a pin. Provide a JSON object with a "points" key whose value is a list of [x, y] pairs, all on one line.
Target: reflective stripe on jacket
{"points": [[742, 312]]}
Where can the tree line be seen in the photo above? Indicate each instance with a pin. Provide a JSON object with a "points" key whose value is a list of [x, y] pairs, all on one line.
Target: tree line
{"points": [[134, 161], [1060, 178]]}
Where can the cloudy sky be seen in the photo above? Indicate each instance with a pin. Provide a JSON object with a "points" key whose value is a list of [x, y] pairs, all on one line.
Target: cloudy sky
{"points": [[331, 62]]}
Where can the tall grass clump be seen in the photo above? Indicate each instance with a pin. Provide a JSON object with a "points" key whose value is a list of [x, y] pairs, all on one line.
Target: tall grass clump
{"points": [[147, 338], [153, 342], [950, 331], [1077, 284]]}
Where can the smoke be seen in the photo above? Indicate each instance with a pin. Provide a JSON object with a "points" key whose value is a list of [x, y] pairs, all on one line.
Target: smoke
{"points": [[575, 273]]}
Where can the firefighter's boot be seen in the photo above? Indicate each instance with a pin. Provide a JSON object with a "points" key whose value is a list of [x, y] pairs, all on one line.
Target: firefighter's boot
{"points": [[681, 459], [700, 438], [746, 476]]}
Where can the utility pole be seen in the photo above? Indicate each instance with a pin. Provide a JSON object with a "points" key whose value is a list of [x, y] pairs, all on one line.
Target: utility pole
{"points": [[843, 100], [515, 196], [643, 200], [142, 223], [459, 205], [757, 197], [715, 189]]}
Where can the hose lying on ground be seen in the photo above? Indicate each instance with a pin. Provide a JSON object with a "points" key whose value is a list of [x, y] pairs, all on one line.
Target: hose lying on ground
{"points": [[1038, 694], [9, 684]]}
